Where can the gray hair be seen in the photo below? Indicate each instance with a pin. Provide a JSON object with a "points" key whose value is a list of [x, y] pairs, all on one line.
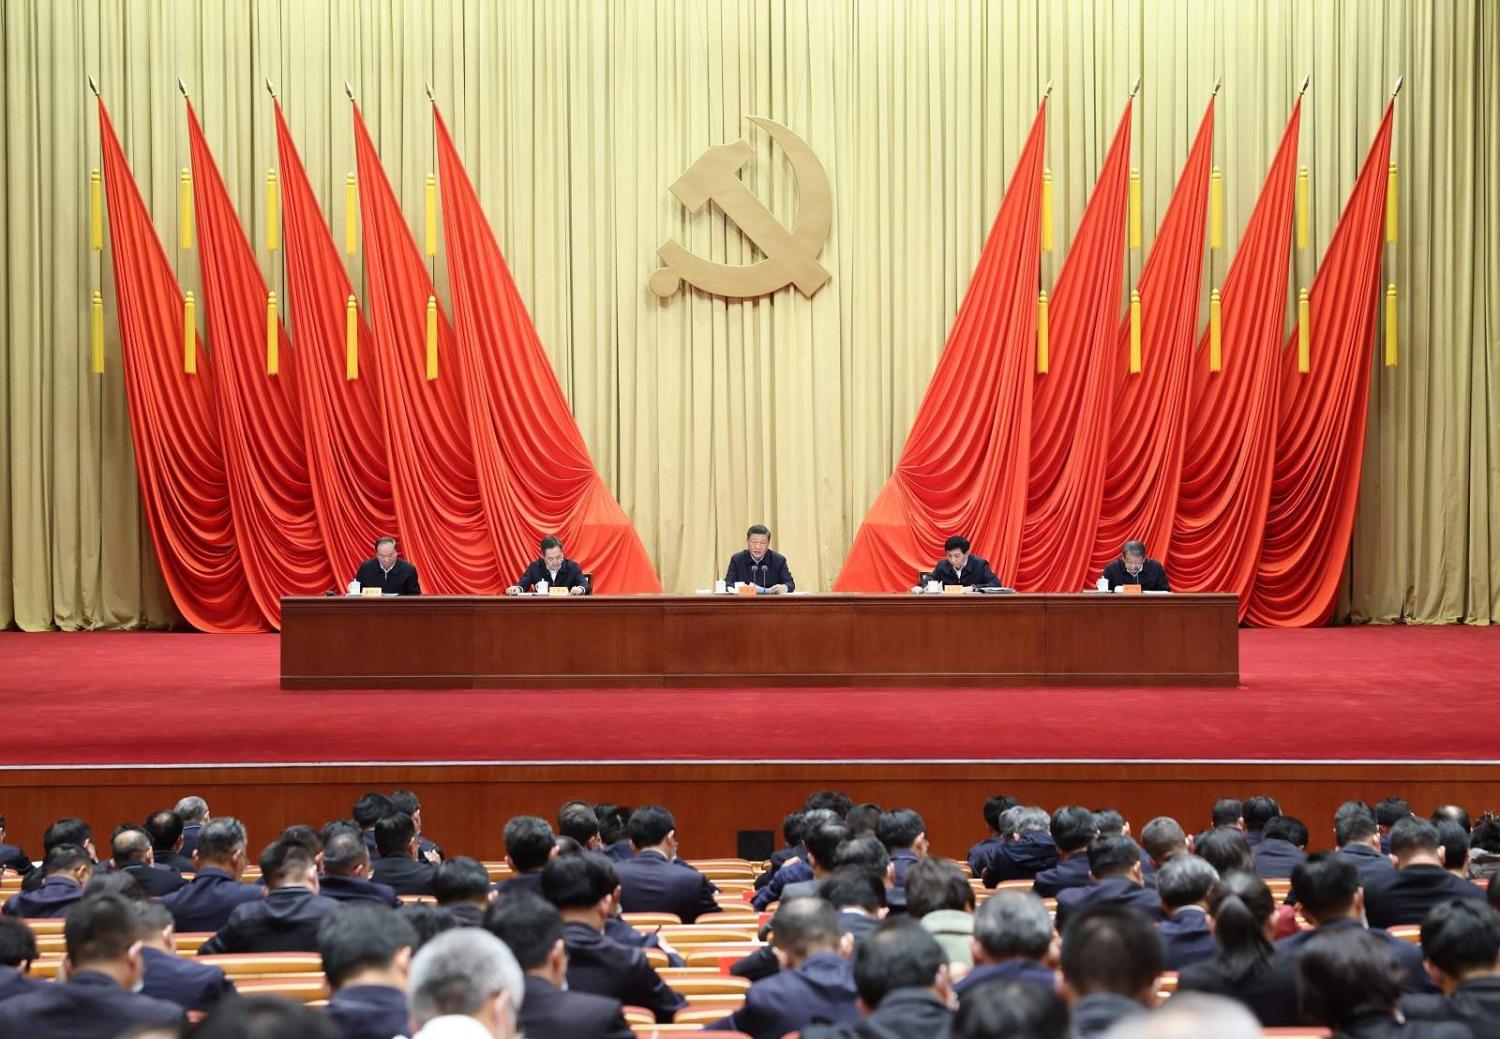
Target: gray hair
{"points": [[1013, 923], [1188, 1015], [1185, 879], [1133, 548], [1162, 838], [191, 809], [219, 837], [459, 971], [1023, 819]]}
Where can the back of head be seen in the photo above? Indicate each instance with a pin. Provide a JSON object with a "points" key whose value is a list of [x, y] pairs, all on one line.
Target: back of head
{"points": [[428, 922], [130, 846], [360, 936], [994, 806], [64, 858], [1486, 833], [460, 971], [151, 919], [1455, 843], [1013, 925], [854, 887], [1162, 838], [191, 809], [1013, 1009], [1461, 937], [165, 829], [371, 808], [1113, 856], [529, 842], [406, 801], [1241, 905], [899, 828], [306, 836], [649, 826], [1227, 811], [1391, 811], [219, 839], [286, 863], [1185, 880], [461, 879], [863, 819], [1345, 973], [866, 851], [1412, 836], [612, 822], [529, 926], [1192, 1015], [936, 884], [1325, 885], [579, 881], [1226, 850], [805, 927], [823, 843], [263, 1017], [1024, 819], [67, 830], [116, 882], [1108, 822], [1286, 828], [99, 931], [900, 953], [394, 834], [17, 942], [577, 820], [1453, 813], [1111, 949], [1258, 811], [344, 853], [1072, 828], [835, 801], [1354, 821]]}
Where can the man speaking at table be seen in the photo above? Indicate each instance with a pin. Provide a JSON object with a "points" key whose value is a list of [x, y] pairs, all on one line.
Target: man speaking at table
{"points": [[758, 565], [1133, 567], [961, 568], [393, 576], [554, 568]]}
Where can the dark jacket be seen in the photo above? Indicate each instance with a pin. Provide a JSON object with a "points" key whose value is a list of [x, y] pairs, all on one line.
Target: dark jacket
{"points": [[466, 913], [1009, 970], [1474, 1003], [857, 925], [190, 832], [358, 889], [1152, 578], [1270, 991], [175, 861], [1069, 872], [619, 851], [89, 1005], [1111, 891], [404, 874], [205, 903], [904, 1013], [981, 853], [548, 1012], [13, 983], [796, 873], [192, 986], [770, 571], [604, 967], [1408, 954], [1022, 858], [155, 881], [1405, 896], [50, 900], [1096, 1014], [527, 882], [402, 580], [1386, 1026], [1185, 938], [286, 920], [13, 858], [649, 883], [1275, 858], [369, 1012], [820, 990], [976, 574], [777, 860], [1373, 865], [569, 575]]}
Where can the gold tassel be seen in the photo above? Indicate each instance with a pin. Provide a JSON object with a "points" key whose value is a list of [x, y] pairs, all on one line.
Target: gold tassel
{"points": [[96, 210], [1304, 332], [1046, 211], [432, 329], [431, 215], [351, 216], [1216, 209], [189, 334], [1390, 204], [1135, 331], [1303, 205], [351, 339], [273, 213], [1390, 323], [1215, 332], [1135, 209], [96, 334], [273, 337], [1041, 333], [185, 210]]}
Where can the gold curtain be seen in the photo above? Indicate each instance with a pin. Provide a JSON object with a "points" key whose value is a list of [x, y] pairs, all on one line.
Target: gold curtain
{"points": [[704, 416]]}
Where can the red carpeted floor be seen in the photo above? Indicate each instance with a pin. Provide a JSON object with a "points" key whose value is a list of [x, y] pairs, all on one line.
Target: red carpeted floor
{"points": [[1343, 694]]}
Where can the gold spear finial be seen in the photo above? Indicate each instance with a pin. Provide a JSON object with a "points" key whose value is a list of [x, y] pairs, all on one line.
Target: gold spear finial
{"points": [[1305, 81], [93, 85], [270, 87], [348, 90], [1218, 83], [1136, 89], [1400, 82]]}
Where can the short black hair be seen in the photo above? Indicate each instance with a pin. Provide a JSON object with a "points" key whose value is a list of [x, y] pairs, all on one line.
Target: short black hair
{"points": [[530, 926], [1011, 1008], [165, 828], [1461, 936], [1072, 828], [17, 942], [579, 881], [529, 842], [67, 830], [1287, 828], [1391, 810], [115, 882], [301, 833], [804, 926], [956, 543], [1325, 885], [333, 827], [1411, 834], [899, 828], [863, 819], [394, 834], [63, 857], [757, 528], [1226, 850], [343, 853], [900, 953], [866, 852], [934, 884], [406, 801], [99, 929], [1227, 811], [649, 826], [283, 857], [613, 819], [428, 922], [994, 806], [835, 801], [1111, 856], [1455, 841], [460, 879], [1354, 821], [577, 820], [1259, 810], [371, 808], [1109, 822], [551, 541], [823, 843], [357, 936], [854, 886], [1109, 948], [1344, 973], [263, 1017]]}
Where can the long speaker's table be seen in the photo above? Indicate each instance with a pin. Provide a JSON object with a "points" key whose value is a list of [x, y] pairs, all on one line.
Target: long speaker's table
{"points": [[440, 642]]}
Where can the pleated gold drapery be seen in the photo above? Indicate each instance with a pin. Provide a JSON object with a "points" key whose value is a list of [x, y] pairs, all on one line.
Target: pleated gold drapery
{"points": [[574, 116]]}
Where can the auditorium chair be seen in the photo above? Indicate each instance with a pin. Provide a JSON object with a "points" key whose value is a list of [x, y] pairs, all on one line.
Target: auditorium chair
{"points": [[300, 990], [1166, 984], [701, 1015], [48, 926], [706, 934], [707, 983], [638, 1016], [1407, 933], [188, 941], [662, 1031], [722, 955], [650, 921], [266, 964]]}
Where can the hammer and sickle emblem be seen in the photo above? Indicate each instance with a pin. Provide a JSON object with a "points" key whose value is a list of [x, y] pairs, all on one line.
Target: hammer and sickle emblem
{"points": [[791, 256]]}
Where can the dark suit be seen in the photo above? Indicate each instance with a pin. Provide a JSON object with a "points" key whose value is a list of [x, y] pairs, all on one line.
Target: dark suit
{"points": [[405, 874], [1276, 858], [192, 986], [521, 883], [604, 967], [619, 851], [1008, 970], [1152, 578], [976, 573], [769, 571], [569, 575], [89, 1005], [286, 920], [1111, 891], [166, 858], [820, 990], [1408, 954], [13, 983], [1069, 872], [402, 580], [857, 925], [1022, 858], [13, 858], [155, 881], [1474, 1003], [205, 903], [50, 900], [1373, 866], [358, 889], [1270, 992], [190, 832], [1185, 938], [1098, 1013], [466, 913], [369, 1012], [548, 1012], [904, 1013], [981, 854], [649, 883], [795, 873], [1405, 896], [1385, 1026]]}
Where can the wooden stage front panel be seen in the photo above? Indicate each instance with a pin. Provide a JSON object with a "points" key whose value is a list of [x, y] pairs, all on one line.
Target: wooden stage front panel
{"points": [[446, 642]]}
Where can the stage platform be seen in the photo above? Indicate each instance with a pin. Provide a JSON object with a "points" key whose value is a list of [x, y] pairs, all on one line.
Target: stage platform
{"points": [[113, 725]]}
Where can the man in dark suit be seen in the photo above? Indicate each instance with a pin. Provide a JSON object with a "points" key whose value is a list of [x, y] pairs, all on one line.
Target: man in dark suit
{"points": [[1073, 830], [1358, 838], [586, 891], [398, 866], [901, 974], [554, 568], [366, 951], [1012, 942], [758, 565], [97, 1001], [67, 830], [1183, 883], [533, 930], [193, 811], [1114, 879], [131, 849], [1111, 958], [904, 834], [1026, 846], [287, 919], [1282, 847], [346, 872], [1388, 812], [1256, 812], [1133, 567], [1419, 882], [191, 985], [372, 807], [408, 802], [529, 844], [12, 857], [462, 886], [214, 892], [387, 571], [857, 894], [815, 984], [165, 829], [958, 567], [17, 953], [65, 870], [655, 881], [800, 871], [1461, 942], [981, 853]]}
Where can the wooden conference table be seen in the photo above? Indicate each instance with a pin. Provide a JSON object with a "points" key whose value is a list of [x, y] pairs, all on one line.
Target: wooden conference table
{"points": [[445, 642]]}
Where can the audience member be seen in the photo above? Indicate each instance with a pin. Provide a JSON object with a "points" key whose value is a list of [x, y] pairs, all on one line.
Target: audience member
{"points": [[165, 831], [529, 844], [980, 853], [17, 953], [369, 810], [863, 819], [938, 897], [1162, 839], [1283, 844], [398, 865], [655, 881], [791, 847], [214, 892], [857, 894], [1461, 943], [1358, 838], [1453, 813], [1072, 831], [1388, 813], [1227, 811], [1013, 1010], [464, 976], [613, 841], [1226, 850], [901, 974], [64, 871], [1350, 983], [12, 857], [1419, 882], [1192, 1015], [822, 845], [1256, 812], [1247, 967], [1114, 865], [287, 919], [67, 830], [1013, 942], [366, 950], [1453, 839], [462, 887], [576, 820], [346, 871], [799, 872], [264, 1017], [1027, 847], [1111, 958], [406, 801], [1484, 847], [168, 976], [193, 811], [428, 922], [132, 853], [835, 801], [122, 884], [1183, 885], [904, 834]]}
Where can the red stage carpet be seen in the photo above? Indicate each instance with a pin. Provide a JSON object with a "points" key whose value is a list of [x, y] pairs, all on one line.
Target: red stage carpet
{"points": [[1331, 694]]}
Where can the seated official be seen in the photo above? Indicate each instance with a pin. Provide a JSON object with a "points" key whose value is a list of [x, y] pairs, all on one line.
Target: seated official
{"points": [[393, 576], [165, 830], [13, 857], [554, 568], [287, 919], [938, 897], [958, 567], [1184, 884], [346, 871], [656, 881], [1461, 943], [1282, 847], [65, 870], [1114, 879], [1246, 967], [216, 889], [462, 887], [980, 853], [529, 845], [901, 974], [17, 953], [1026, 846], [193, 811], [68, 830], [1419, 881], [132, 852], [398, 865], [1012, 942], [1111, 958], [465, 984], [759, 565], [1073, 830], [366, 951], [1134, 568], [1349, 984], [191, 985], [408, 802]]}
